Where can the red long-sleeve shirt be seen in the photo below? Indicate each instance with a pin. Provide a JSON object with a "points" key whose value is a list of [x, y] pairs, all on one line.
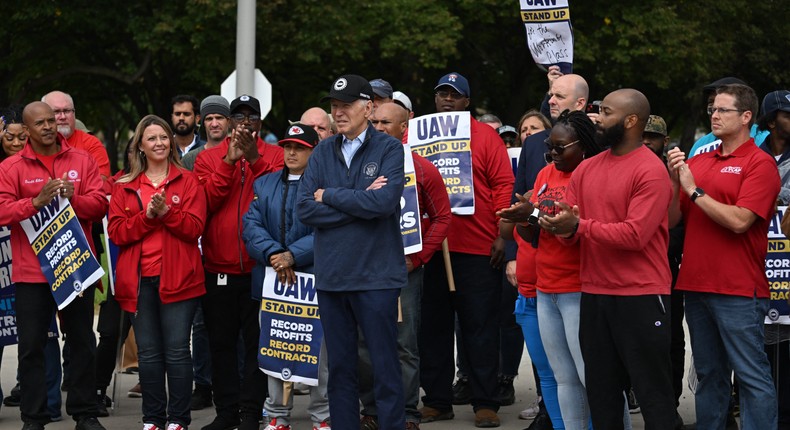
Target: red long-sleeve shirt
{"points": [[435, 203]]}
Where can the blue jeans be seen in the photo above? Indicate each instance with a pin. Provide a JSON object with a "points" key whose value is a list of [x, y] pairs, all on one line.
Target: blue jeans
{"points": [[558, 317], [408, 353], [201, 354], [727, 334], [162, 334], [526, 313]]}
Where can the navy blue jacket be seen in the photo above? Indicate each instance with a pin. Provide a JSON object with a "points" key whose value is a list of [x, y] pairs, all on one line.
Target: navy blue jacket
{"points": [[358, 243], [264, 230]]}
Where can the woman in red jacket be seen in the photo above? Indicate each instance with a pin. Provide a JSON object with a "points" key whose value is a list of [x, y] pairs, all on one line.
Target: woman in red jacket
{"points": [[157, 213]]}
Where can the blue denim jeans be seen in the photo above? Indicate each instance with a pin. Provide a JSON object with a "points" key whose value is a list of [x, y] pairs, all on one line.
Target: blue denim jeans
{"points": [[162, 334], [558, 317], [526, 313], [727, 334], [201, 354]]}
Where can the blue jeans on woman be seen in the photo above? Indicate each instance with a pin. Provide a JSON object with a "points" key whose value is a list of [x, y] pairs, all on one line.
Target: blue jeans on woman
{"points": [[558, 317], [526, 313], [162, 333]]}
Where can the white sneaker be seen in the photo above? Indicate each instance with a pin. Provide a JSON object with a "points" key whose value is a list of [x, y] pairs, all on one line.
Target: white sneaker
{"points": [[274, 426], [175, 426], [532, 410], [149, 426]]}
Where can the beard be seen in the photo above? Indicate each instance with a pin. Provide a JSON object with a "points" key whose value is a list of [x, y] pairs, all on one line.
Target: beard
{"points": [[65, 130], [184, 129], [610, 137]]}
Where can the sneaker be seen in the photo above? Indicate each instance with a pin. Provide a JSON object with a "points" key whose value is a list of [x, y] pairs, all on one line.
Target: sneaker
{"points": [[175, 426], [411, 425], [368, 422], [323, 426], [506, 393], [486, 418], [89, 423], [249, 422], [56, 418], [633, 405], [430, 414], [102, 403], [149, 426], [532, 410], [136, 391], [32, 426], [274, 426], [15, 398], [201, 398], [462, 392]]}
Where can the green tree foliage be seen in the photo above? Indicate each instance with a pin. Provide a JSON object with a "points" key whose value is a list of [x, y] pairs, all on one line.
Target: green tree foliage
{"points": [[121, 60]]}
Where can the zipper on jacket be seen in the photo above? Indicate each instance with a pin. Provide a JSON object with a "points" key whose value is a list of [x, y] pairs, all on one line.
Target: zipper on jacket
{"points": [[139, 265], [238, 217]]}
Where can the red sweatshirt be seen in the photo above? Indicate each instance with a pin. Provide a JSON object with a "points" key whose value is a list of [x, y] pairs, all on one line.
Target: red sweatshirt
{"points": [[228, 195], [435, 203], [23, 178], [493, 181], [623, 227]]}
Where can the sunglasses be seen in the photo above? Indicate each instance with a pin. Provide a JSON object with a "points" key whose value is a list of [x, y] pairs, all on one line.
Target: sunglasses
{"points": [[559, 149]]}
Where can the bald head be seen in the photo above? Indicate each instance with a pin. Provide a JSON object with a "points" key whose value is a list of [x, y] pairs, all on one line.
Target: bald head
{"points": [[631, 102], [39, 122], [63, 106], [390, 118], [320, 121], [568, 92]]}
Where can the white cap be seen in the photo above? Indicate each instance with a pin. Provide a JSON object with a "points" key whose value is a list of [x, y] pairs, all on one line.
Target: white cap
{"points": [[402, 99]]}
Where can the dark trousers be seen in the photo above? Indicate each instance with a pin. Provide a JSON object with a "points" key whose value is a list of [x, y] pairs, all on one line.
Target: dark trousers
{"points": [[677, 350], [622, 337], [34, 308], [113, 327], [228, 311], [511, 337], [375, 313], [476, 302]]}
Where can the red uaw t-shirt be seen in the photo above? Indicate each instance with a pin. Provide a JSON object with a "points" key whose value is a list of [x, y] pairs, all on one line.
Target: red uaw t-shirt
{"points": [[718, 260], [557, 264]]}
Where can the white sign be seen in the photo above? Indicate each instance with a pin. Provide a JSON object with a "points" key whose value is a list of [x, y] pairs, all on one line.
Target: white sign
{"points": [[262, 92]]}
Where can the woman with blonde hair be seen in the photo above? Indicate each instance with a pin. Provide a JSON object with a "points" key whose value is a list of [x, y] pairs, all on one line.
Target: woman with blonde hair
{"points": [[157, 213]]}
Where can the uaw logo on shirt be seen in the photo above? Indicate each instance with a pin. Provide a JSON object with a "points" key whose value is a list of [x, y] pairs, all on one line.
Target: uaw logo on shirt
{"points": [[175, 199], [735, 170], [294, 130], [73, 174], [340, 84], [371, 169]]}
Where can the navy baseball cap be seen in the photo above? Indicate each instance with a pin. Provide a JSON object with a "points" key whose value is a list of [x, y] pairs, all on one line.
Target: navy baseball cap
{"points": [[455, 80], [349, 88], [381, 88], [774, 101]]}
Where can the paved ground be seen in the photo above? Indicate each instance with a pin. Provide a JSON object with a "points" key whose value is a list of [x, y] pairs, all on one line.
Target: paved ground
{"points": [[126, 413]]}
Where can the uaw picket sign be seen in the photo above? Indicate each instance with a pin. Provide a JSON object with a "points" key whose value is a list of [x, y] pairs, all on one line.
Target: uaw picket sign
{"points": [[777, 270], [291, 330], [410, 228], [445, 140], [549, 32], [63, 251]]}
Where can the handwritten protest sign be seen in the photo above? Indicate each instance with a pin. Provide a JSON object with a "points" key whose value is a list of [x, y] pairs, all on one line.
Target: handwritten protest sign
{"points": [[777, 270], [291, 330], [445, 140], [410, 228], [63, 251], [549, 32]]}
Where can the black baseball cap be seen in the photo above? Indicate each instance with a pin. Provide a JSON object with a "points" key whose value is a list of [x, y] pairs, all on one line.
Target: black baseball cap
{"points": [[301, 134], [245, 100], [349, 88]]}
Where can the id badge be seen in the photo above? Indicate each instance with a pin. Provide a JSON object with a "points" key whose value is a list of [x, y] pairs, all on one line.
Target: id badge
{"points": [[222, 279]]}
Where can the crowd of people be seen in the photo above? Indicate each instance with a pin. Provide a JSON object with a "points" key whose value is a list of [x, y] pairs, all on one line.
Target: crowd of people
{"points": [[574, 251]]}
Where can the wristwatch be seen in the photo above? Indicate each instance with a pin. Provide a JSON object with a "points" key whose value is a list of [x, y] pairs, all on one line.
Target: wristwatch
{"points": [[698, 192]]}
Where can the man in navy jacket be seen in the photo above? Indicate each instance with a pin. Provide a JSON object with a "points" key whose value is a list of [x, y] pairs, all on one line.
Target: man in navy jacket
{"points": [[350, 194]]}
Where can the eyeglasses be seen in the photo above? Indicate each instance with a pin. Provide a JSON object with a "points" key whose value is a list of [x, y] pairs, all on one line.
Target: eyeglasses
{"points": [[443, 94], [66, 112], [238, 117], [721, 111], [559, 149]]}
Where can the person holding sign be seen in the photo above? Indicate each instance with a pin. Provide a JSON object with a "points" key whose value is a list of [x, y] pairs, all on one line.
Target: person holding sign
{"points": [[726, 199], [157, 213], [276, 238], [350, 194], [477, 254], [47, 168]]}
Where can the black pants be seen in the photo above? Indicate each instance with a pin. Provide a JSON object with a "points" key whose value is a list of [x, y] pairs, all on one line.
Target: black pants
{"points": [[34, 309], [113, 327], [229, 311], [476, 301], [622, 337]]}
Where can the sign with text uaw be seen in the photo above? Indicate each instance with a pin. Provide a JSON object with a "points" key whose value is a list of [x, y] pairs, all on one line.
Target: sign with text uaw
{"points": [[410, 228], [7, 291], [64, 254], [549, 32], [444, 139], [777, 270], [291, 330]]}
